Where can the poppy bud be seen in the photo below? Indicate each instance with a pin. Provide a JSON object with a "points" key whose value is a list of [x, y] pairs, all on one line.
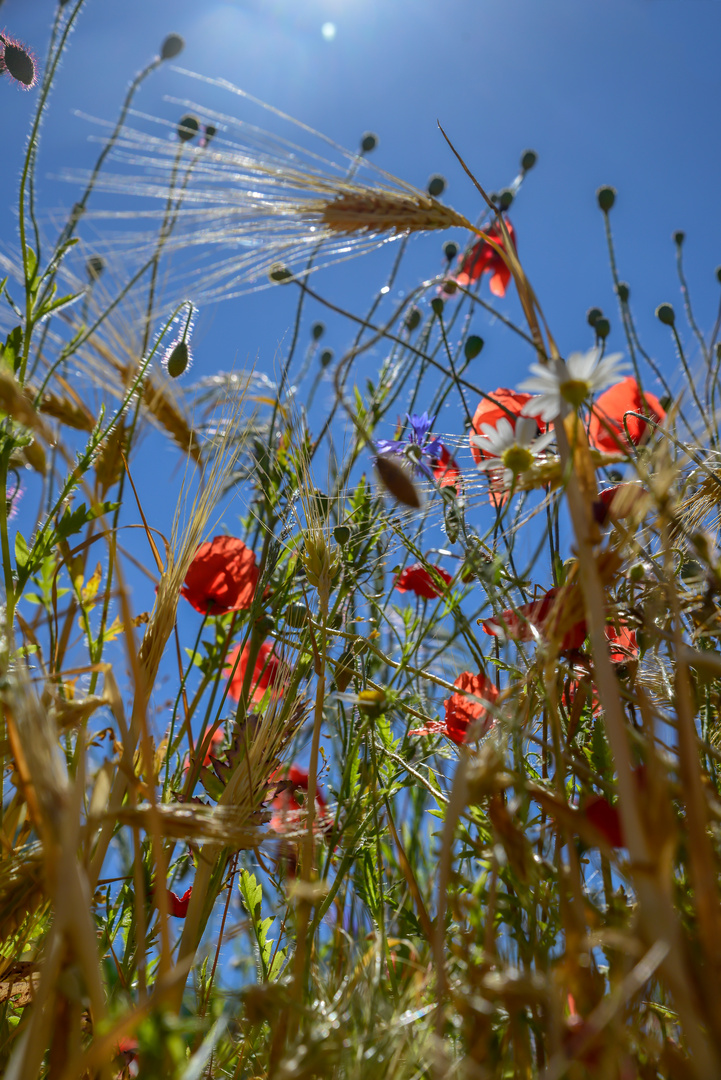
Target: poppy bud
{"points": [[602, 327], [637, 572], [188, 128], [317, 330], [18, 61], [505, 198], [606, 198], [341, 534], [528, 160], [449, 288], [437, 305], [593, 315], [326, 358], [678, 237], [718, 273], [94, 266], [296, 615], [177, 359], [666, 314], [473, 346], [264, 624], [279, 273], [413, 319], [450, 250], [209, 132], [666, 401], [369, 141], [172, 47], [436, 185], [396, 480], [623, 291]]}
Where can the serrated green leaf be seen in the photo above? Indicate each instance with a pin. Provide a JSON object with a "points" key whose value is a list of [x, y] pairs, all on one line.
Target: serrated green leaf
{"points": [[22, 551]]}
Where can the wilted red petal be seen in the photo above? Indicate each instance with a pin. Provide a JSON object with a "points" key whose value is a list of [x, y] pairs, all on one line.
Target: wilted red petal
{"points": [[418, 580], [178, 905], [268, 671], [222, 577], [598, 811], [446, 471], [483, 258], [606, 426], [550, 615]]}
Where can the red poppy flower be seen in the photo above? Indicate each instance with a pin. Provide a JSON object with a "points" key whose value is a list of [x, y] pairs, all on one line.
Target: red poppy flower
{"points": [[553, 615], [445, 470], [418, 580], [483, 258], [501, 403], [287, 810], [178, 905], [618, 502], [605, 818], [222, 577], [622, 643], [269, 671], [606, 429], [463, 711]]}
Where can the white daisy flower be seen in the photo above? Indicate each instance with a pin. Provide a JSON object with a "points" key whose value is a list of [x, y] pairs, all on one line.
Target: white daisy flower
{"points": [[570, 381], [510, 451]]}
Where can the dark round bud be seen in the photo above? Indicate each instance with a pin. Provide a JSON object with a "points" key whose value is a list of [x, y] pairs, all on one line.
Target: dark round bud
{"points": [[450, 287], [369, 141], [341, 534], [177, 359], [666, 314], [436, 185], [172, 47], [94, 266], [279, 273], [450, 250], [678, 237], [188, 128], [602, 327], [637, 572], [593, 315], [317, 330], [19, 63], [437, 305], [209, 132], [615, 476], [326, 358], [665, 402], [528, 160], [264, 624], [413, 319], [623, 291], [691, 570], [505, 198], [473, 346], [296, 615], [493, 196], [606, 198], [718, 273]]}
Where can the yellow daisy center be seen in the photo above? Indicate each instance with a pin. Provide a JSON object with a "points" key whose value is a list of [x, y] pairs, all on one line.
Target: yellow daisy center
{"points": [[575, 391], [517, 459]]}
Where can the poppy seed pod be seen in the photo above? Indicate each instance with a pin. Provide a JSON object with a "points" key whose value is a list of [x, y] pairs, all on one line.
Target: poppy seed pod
{"points": [[296, 615], [172, 47], [279, 273], [341, 534], [188, 128], [718, 274], [317, 330], [326, 358], [436, 185], [369, 142], [528, 160], [413, 319], [450, 250], [666, 314], [593, 315], [505, 199], [602, 327], [606, 198], [473, 346], [678, 237], [623, 290], [437, 305]]}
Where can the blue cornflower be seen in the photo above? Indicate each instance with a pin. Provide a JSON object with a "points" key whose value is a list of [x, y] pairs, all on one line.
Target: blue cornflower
{"points": [[414, 446]]}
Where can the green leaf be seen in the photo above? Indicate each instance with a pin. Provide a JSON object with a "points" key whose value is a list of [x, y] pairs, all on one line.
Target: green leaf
{"points": [[73, 521], [12, 350], [31, 266], [251, 895], [22, 551]]}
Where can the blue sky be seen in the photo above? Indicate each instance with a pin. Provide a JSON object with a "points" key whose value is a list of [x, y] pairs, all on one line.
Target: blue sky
{"points": [[622, 92]]}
